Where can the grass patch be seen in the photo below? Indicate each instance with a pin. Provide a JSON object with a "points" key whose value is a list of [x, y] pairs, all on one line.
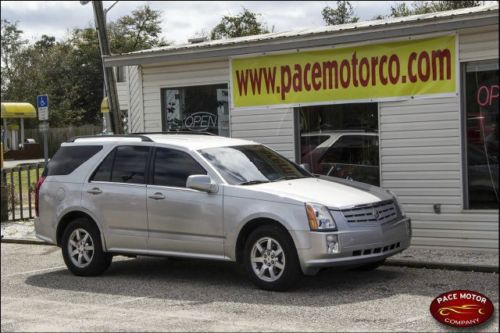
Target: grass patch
{"points": [[27, 186]]}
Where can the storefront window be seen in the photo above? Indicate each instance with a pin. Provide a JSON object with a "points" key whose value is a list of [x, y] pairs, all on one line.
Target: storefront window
{"points": [[341, 141], [196, 109], [481, 109]]}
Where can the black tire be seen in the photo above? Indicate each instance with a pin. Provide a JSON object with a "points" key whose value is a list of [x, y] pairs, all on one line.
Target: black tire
{"points": [[370, 267], [291, 273], [100, 260]]}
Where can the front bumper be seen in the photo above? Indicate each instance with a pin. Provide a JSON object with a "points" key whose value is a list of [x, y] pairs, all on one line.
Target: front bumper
{"points": [[358, 245]]}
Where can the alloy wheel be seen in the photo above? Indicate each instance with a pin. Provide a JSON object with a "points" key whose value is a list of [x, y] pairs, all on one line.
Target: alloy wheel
{"points": [[80, 248], [267, 259]]}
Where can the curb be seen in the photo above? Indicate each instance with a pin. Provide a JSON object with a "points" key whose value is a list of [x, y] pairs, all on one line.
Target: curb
{"points": [[446, 266], [24, 241]]}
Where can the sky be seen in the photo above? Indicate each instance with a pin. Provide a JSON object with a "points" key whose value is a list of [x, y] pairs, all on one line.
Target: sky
{"points": [[181, 19]]}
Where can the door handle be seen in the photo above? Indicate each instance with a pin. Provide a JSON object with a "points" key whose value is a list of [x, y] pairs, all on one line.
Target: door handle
{"points": [[157, 196], [94, 190]]}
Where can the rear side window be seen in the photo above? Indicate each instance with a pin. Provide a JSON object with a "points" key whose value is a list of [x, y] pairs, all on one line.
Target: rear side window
{"points": [[125, 164], [130, 164], [173, 167], [103, 172], [68, 158]]}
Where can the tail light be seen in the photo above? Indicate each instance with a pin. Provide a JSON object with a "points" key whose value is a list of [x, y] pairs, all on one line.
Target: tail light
{"points": [[37, 194]]}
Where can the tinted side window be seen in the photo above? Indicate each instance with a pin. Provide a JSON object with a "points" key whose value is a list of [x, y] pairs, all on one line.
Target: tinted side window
{"points": [[68, 158], [103, 172], [173, 167], [130, 164]]}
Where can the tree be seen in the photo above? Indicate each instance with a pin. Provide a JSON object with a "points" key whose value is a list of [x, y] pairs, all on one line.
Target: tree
{"points": [[11, 45], [243, 24], [340, 15], [70, 71], [401, 9], [378, 17], [138, 31], [45, 42], [424, 7]]}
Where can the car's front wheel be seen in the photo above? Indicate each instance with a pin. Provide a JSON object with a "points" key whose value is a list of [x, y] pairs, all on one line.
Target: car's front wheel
{"points": [[82, 250], [271, 259]]}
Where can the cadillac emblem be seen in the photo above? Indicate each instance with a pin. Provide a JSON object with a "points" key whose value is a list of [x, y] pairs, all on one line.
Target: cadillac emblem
{"points": [[375, 214]]}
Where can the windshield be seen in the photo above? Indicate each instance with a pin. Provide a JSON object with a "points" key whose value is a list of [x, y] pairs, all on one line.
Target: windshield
{"points": [[252, 164]]}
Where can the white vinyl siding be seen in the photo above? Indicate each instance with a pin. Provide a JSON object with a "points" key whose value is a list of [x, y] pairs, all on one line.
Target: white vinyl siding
{"points": [[136, 110], [272, 127], [478, 44], [169, 76], [122, 90], [421, 161]]}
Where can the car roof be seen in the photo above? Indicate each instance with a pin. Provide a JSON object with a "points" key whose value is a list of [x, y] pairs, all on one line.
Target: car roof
{"points": [[196, 142], [188, 141]]}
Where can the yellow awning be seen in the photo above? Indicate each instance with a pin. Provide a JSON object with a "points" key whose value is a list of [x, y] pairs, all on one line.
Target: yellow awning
{"points": [[18, 110]]}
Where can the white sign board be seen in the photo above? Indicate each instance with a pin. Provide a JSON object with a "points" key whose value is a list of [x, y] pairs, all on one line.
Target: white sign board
{"points": [[43, 114]]}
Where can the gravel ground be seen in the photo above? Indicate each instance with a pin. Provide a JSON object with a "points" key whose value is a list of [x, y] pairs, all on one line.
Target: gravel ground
{"points": [[157, 294], [20, 229], [449, 256]]}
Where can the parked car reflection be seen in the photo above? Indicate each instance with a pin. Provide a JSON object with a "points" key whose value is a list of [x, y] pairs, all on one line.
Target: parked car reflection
{"points": [[344, 154]]}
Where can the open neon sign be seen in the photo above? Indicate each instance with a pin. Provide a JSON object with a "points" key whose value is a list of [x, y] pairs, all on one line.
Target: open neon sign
{"points": [[487, 95]]}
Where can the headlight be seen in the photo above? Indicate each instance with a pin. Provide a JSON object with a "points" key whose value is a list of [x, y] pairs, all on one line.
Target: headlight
{"points": [[398, 205], [319, 218]]}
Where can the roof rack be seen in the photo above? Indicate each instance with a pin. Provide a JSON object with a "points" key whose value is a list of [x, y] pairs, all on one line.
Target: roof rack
{"points": [[142, 137], [176, 132]]}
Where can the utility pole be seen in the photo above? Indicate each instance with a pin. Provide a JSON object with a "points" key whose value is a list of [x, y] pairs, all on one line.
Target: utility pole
{"points": [[109, 77]]}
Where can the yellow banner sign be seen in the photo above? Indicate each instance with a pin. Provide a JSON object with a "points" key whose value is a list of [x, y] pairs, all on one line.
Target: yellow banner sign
{"points": [[407, 68]]}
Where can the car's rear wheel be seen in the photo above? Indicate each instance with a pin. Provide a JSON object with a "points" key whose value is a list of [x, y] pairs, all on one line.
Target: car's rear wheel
{"points": [[82, 250], [271, 259]]}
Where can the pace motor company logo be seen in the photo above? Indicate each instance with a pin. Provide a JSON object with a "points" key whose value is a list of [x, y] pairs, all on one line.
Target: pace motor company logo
{"points": [[461, 308]]}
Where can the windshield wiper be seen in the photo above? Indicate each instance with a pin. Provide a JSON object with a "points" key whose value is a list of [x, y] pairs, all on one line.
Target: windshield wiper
{"points": [[287, 178], [253, 182]]}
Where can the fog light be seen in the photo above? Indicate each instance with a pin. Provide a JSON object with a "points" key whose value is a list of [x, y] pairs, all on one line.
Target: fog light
{"points": [[332, 244]]}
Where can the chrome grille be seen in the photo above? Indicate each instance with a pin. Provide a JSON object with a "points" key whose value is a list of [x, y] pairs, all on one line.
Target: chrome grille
{"points": [[380, 212]]}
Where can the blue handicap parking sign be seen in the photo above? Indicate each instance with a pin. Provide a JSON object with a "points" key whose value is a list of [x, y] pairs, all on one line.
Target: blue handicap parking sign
{"points": [[42, 101]]}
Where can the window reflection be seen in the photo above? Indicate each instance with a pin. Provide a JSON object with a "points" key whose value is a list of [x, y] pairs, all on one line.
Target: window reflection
{"points": [[252, 163], [341, 141], [173, 167], [130, 164], [481, 108]]}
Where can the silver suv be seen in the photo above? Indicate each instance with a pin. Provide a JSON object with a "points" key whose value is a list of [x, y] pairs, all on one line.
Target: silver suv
{"points": [[210, 197]]}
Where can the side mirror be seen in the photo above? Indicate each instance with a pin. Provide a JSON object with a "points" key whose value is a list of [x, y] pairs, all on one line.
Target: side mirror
{"points": [[305, 166], [201, 183]]}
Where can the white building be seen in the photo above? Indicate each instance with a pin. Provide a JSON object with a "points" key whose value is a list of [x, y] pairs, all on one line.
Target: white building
{"points": [[429, 134]]}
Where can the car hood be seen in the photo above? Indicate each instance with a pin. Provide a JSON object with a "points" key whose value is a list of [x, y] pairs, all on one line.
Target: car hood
{"points": [[329, 191]]}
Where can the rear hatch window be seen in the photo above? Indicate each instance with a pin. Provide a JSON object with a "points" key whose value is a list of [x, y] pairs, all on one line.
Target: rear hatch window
{"points": [[68, 158]]}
